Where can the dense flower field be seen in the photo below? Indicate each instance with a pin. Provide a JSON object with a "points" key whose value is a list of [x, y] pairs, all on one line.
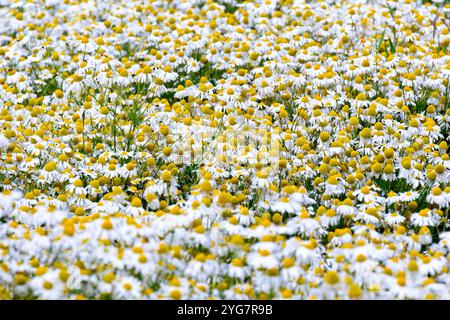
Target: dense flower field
{"points": [[264, 149]]}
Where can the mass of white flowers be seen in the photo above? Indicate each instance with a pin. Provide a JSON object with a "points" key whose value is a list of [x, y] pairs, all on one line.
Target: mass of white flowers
{"points": [[196, 149]]}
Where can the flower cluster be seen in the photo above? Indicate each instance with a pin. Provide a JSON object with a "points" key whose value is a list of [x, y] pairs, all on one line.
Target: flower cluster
{"points": [[196, 149]]}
